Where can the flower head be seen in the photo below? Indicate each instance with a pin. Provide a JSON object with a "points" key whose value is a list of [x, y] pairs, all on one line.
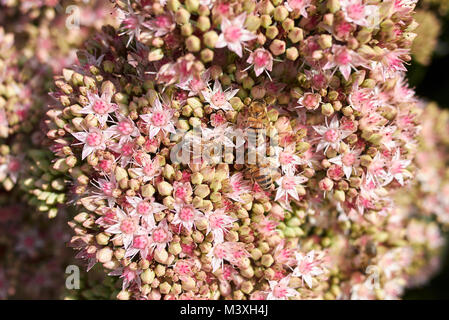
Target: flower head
{"points": [[159, 120], [93, 140], [233, 34], [217, 98]]}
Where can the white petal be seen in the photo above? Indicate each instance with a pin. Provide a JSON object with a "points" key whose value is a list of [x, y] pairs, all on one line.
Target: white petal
{"points": [[221, 42], [86, 151], [81, 136]]}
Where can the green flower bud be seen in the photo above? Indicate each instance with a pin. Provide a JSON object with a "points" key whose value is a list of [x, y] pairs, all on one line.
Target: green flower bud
{"points": [[272, 32], [182, 16], [187, 30], [203, 23], [280, 13], [102, 239], [210, 38], [192, 5], [147, 276], [173, 5], [333, 5], [164, 188], [155, 55], [104, 255], [296, 35], [124, 295], [327, 109], [253, 23], [193, 44], [292, 53], [202, 191], [207, 55], [267, 260]]}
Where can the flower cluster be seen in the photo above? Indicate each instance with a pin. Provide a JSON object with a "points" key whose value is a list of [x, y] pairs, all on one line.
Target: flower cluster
{"points": [[431, 185], [33, 47], [340, 130], [22, 99], [219, 149]]}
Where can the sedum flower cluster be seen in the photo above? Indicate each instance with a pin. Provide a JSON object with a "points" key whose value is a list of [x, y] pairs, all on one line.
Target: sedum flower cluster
{"points": [[157, 126], [23, 158], [430, 187], [31, 48]]}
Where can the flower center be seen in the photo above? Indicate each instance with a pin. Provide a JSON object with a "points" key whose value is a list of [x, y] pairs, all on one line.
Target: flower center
{"points": [[140, 242], [131, 22], [160, 235], [223, 8], [127, 226], [186, 214], [397, 167], [149, 169], [215, 221], [310, 101], [218, 119], [343, 28], [219, 99], [144, 208], [125, 127], [184, 269], [280, 292], [305, 267], [331, 135], [288, 183], [220, 252], [105, 165], [232, 34], [100, 107], [296, 4], [162, 22], [159, 119], [94, 139], [109, 217], [196, 85], [107, 188], [180, 193], [343, 57], [285, 158], [261, 59], [319, 80], [127, 149], [348, 159]]}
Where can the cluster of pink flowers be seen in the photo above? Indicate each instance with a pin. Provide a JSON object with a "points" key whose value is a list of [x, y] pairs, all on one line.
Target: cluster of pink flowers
{"points": [[331, 76], [323, 218], [431, 186]]}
